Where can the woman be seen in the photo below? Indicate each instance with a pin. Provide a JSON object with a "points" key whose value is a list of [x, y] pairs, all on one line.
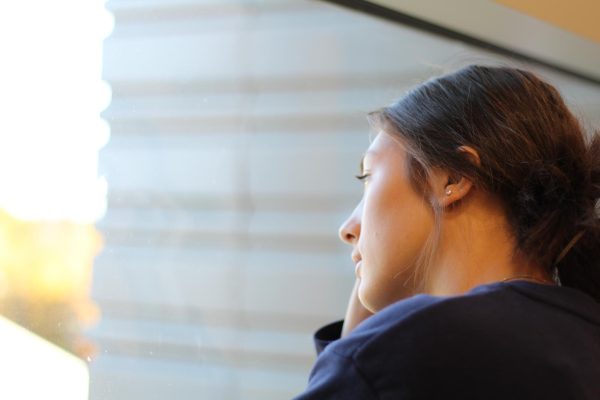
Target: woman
{"points": [[477, 249]]}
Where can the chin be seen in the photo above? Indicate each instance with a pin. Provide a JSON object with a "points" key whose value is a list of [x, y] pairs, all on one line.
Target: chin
{"points": [[363, 297], [367, 297], [372, 300]]}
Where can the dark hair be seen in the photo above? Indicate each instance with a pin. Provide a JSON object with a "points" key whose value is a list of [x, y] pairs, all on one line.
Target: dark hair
{"points": [[535, 157]]}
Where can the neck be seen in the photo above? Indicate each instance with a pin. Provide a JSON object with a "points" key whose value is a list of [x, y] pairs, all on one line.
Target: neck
{"points": [[476, 248]]}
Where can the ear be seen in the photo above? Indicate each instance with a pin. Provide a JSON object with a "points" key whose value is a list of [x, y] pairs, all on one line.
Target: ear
{"points": [[449, 188]]}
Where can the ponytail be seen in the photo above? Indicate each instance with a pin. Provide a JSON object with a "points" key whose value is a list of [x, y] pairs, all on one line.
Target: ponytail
{"points": [[580, 266]]}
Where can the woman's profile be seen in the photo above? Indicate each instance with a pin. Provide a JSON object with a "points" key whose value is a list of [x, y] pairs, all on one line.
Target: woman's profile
{"points": [[477, 249]]}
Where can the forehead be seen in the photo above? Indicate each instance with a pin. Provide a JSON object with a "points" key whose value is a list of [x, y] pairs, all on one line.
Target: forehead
{"points": [[384, 150], [385, 143]]}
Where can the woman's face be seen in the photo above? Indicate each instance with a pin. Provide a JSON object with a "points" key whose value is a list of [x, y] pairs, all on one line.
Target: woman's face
{"points": [[389, 227]]}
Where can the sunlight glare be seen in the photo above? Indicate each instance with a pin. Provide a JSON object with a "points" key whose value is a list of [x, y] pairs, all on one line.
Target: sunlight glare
{"points": [[52, 95]]}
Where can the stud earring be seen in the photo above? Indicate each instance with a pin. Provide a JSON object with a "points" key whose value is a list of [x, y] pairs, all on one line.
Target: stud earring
{"points": [[448, 192]]}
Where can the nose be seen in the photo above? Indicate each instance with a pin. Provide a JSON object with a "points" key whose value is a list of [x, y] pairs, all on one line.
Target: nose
{"points": [[349, 232]]}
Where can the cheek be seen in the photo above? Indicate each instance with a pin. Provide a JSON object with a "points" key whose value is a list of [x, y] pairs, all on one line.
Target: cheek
{"points": [[397, 222], [402, 239], [388, 273], [397, 228], [410, 223]]}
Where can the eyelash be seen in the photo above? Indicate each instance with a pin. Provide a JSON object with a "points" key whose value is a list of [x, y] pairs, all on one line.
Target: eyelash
{"points": [[361, 177]]}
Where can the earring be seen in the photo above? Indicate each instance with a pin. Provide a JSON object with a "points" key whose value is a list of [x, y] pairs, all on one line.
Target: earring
{"points": [[448, 192]]}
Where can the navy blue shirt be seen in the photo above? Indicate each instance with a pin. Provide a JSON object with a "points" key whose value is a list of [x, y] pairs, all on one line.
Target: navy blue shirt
{"points": [[505, 340]]}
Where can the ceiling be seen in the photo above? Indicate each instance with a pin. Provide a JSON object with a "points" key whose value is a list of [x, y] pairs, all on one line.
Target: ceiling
{"points": [[561, 34], [577, 16]]}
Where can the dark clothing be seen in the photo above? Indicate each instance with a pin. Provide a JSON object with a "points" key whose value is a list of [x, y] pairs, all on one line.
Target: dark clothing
{"points": [[512, 340]]}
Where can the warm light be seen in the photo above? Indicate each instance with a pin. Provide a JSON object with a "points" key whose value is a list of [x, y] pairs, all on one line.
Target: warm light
{"points": [[49, 260], [45, 278], [51, 131]]}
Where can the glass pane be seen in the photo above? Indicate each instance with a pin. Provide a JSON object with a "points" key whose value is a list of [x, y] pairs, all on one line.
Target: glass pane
{"points": [[211, 212]]}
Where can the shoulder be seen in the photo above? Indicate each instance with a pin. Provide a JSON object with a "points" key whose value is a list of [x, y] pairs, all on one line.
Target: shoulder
{"points": [[485, 341], [423, 323], [449, 340]]}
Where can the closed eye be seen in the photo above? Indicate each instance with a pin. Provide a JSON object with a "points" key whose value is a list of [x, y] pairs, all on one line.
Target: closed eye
{"points": [[361, 177]]}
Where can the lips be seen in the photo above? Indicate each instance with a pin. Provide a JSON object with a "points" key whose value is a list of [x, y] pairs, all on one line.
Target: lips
{"points": [[357, 258], [357, 269]]}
